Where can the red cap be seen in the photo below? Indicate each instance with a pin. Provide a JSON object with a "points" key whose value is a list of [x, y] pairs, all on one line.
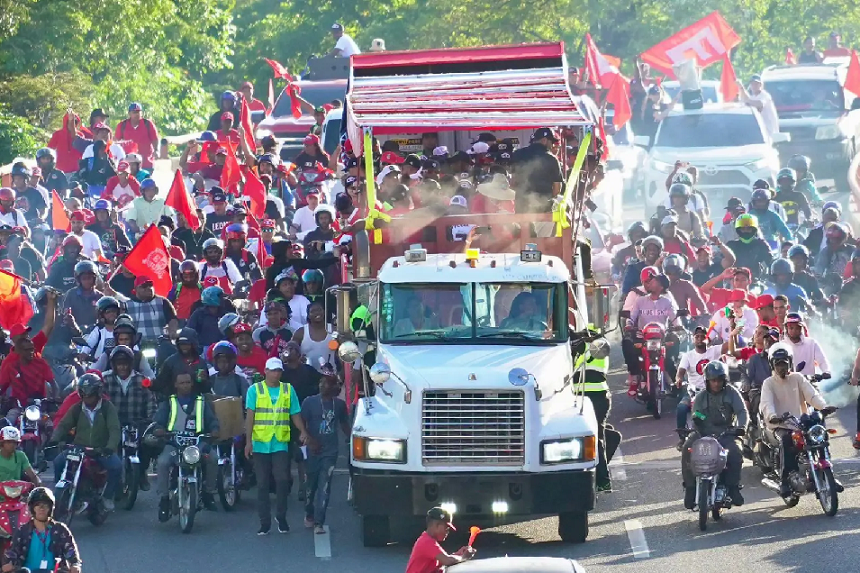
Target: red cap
{"points": [[738, 295], [705, 248], [7, 265], [241, 327], [122, 167], [18, 329], [140, 281], [311, 139], [78, 216], [391, 157], [266, 223], [327, 107], [763, 301], [226, 115], [221, 151], [347, 146], [101, 125]]}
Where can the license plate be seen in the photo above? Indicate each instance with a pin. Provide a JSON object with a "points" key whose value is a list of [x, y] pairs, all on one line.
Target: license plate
{"points": [[134, 459], [73, 458], [61, 484], [191, 479], [131, 444]]}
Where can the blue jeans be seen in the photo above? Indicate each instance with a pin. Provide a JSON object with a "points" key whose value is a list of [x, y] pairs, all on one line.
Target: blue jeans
{"points": [[111, 464], [681, 412], [320, 470]]}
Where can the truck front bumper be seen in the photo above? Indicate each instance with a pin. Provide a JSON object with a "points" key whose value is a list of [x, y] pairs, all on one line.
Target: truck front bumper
{"points": [[387, 493]]}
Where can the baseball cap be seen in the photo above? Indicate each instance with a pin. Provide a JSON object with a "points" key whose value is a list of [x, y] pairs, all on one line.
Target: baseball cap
{"points": [[544, 132], [700, 330], [459, 201], [221, 151], [669, 220], [738, 295], [763, 301], [313, 190], [135, 106], [275, 305], [77, 216], [101, 125], [142, 280], [413, 161], [18, 329], [227, 115], [311, 139], [98, 112], [755, 78], [654, 90], [733, 203], [460, 156], [705, 248], [391, 158], [241, 327], [218, 196], [293, 345], [267, 224], [274, 364], [350, 181], [484, 147], [440, 152], [439, 514], [431, 164], [122, 167], [743, 271], [337, 27]]}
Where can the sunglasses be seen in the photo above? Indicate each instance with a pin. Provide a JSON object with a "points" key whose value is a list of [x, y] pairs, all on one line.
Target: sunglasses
{"points": [[268, 229]]}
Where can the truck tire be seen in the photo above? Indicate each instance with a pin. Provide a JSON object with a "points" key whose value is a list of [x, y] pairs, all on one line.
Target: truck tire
{"points": [[573, 526], [375, 530]]}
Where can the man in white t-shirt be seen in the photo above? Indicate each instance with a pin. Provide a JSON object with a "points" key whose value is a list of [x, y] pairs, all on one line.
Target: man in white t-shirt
{"points": [[758, 98], [692, 365], [304, 220], [345, 46], [92, 244]]}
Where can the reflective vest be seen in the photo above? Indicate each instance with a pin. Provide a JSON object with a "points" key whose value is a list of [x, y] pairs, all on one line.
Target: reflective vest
{"points": [[596, 370], [198, 415], [271, 421]]}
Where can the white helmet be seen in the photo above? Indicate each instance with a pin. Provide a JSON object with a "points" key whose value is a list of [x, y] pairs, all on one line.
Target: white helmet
{"points": [[10, 434]]}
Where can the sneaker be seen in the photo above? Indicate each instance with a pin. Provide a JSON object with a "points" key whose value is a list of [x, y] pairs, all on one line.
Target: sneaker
{"points": [[109, 504], [164, 509], [283, 526], [209, 501], [605, 487], [736, 497], [319, 529], [690, 497], [144, 482], [264, 529], [632, 385], [309, 522]]}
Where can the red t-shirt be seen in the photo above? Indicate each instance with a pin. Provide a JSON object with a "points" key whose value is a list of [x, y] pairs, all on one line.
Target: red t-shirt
{"points": [[721, 297], [748, 352], [232, 136], [680, 248], [26, 380], [186, 299], [145, 136], [253, 364], [423, 557]]}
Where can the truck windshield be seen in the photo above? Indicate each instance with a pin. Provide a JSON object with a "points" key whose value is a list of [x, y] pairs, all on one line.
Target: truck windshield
{"points": [[492, 313], [709, 130], [806, 97]]}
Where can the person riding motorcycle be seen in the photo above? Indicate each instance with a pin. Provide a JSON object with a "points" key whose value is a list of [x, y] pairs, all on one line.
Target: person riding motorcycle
{"points": [[786, 392], [187, 291], [781, 274], [215, 265], [685, 293], [831, 212], [806, 351], [186, 359], [124, 334], [831, 262], [793, 201], [108, 310], [52, 178], [805, 179], [81, 301], [799, 257], [245, 261], [61, 275], [651, 249], [750, 249], [688, 219], [635, 233], [111, 235], [223, 375], [716, 410], [770, 223], [92, 423], [59, 552], [675, 242]]}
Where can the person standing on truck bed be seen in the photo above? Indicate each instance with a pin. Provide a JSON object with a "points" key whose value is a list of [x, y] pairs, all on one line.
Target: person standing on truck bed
{"points": [[537, 173], [345, 46], [810, 55]]}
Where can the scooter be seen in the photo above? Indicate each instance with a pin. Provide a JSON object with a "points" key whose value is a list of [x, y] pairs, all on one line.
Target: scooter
{"points": [[13, 509]]}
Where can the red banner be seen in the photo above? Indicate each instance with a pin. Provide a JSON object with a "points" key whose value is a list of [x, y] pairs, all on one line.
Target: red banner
{"points": [[728, 81], [601, 72], [149, 258], [180, 199], [706, 41]]}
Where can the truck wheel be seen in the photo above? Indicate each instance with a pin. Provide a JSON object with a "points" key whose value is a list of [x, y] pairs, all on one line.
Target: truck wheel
{"points": [[375, 530], [573, 526]]}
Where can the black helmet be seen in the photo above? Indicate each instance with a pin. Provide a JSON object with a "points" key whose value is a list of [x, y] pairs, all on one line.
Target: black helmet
{"points": [[89, 385], [124, 321], [120, 351], [86, 267], [799, 163], [716, 369], [680, 190], [798, 250], [106, 302], [41, 495], [637, 227]]}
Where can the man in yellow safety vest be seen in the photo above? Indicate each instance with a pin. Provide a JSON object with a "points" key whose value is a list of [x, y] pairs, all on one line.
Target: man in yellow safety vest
{"points": [[271, 405]]}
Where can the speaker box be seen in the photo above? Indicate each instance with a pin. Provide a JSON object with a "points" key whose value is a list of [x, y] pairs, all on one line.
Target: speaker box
{"points": [[692, 99]]}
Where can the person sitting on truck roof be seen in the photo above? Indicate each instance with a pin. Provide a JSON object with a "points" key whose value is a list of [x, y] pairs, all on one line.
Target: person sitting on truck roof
{"points": [[345, 46], [418, 318], [538, 176]]}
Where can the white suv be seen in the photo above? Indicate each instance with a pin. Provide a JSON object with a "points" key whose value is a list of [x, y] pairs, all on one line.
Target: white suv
{"points": [[725, 141]]}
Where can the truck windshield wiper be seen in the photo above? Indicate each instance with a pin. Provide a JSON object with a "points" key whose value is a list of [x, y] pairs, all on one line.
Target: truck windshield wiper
{"points": [[512, 334], [440, 334]]}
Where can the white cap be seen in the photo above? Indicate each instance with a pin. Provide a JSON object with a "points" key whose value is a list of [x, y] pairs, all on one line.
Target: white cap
{"points": [[459, 200], [274, 364], [385, 172], [440, 151], [479, 147], [669, 219]]}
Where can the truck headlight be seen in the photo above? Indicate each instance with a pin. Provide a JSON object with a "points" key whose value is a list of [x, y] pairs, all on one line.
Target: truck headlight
{"points": [[661, 166], [567, 450], [379, 450], [828, 132]]}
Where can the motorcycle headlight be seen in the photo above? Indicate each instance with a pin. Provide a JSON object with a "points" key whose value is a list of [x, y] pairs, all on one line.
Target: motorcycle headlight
{"points": [[379, 450], [567, 450], [32, 413], [191, 455], [148, 353], [828, 132], [817, 434], [652, 345], [13, 491], [661, 166]]}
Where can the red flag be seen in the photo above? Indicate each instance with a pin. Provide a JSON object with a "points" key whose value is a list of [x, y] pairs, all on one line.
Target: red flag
{"points": [[706, 41], [852, 77], [789, 57], [619, 97], [728, 80], [15, 306], [601, 133], [271, 100], [600, 71], [247, 125], [256, 192], [179, 198], [295, 104], [279, 70], [149, 258], [59, 219], [231, 175]]}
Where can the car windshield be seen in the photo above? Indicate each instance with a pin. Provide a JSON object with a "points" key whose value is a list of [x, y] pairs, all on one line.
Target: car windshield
{"points": [[487, 313], [806, 97], [709, 92], [709, 130], [316, 94]]}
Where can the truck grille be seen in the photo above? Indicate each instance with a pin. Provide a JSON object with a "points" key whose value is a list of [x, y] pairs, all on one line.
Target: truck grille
{"points": [[724, 177], [469, 427], [801, 133]]}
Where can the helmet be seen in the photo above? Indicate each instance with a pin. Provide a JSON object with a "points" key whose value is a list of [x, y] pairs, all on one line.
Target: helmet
{"points": [[20, 170], [781, 267], [188, 266], [855, 255], [786, 173], [105, 303], [237, 231], [674, 262], [680, 190], [46, 152], [648, 273], [652, 240], [41, 495], [229, 96], [73, 240], [102, 204], [683, 177], [10, 434], [663, 280], [209, 243], [124, 322], [7, 194], [746, 220], [211, 296], [323, 209], [716, 369], [227, 321], [85, 267], [121, 351], [286, 274], [760, 195], [761, 184], [798, 250], [89, 385], [207, 136], [312, 276], [224, 347], [831, 205], [637, 227], [780, 352], [800, 163]]}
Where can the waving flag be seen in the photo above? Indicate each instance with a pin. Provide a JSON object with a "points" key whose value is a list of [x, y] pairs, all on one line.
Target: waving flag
{"points": [[706, 41], [179, 198], [852, 77], [59, 219], [271, 100], [247, 125], [728, 80], [789, 57], [231, 174], [149, 258], [15, 307], [256, 192], [619, 97], [601, 72], [279, 70]]}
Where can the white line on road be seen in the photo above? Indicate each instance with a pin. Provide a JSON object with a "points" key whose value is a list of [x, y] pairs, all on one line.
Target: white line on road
{"points": [[322, 544], [617, 465], [636, 536]]}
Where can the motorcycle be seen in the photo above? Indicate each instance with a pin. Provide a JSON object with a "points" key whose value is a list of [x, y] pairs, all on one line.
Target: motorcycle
{"points": [[653, 385], [815, 473], [185, 478], [81, 487], [230, 474], [13, 509], [708, 462], [36, 428], [131, 468]]}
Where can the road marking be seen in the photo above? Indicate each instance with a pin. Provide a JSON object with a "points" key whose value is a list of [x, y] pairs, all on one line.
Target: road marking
{"points": [[322, 544], [617, 465], [636, 536]]}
